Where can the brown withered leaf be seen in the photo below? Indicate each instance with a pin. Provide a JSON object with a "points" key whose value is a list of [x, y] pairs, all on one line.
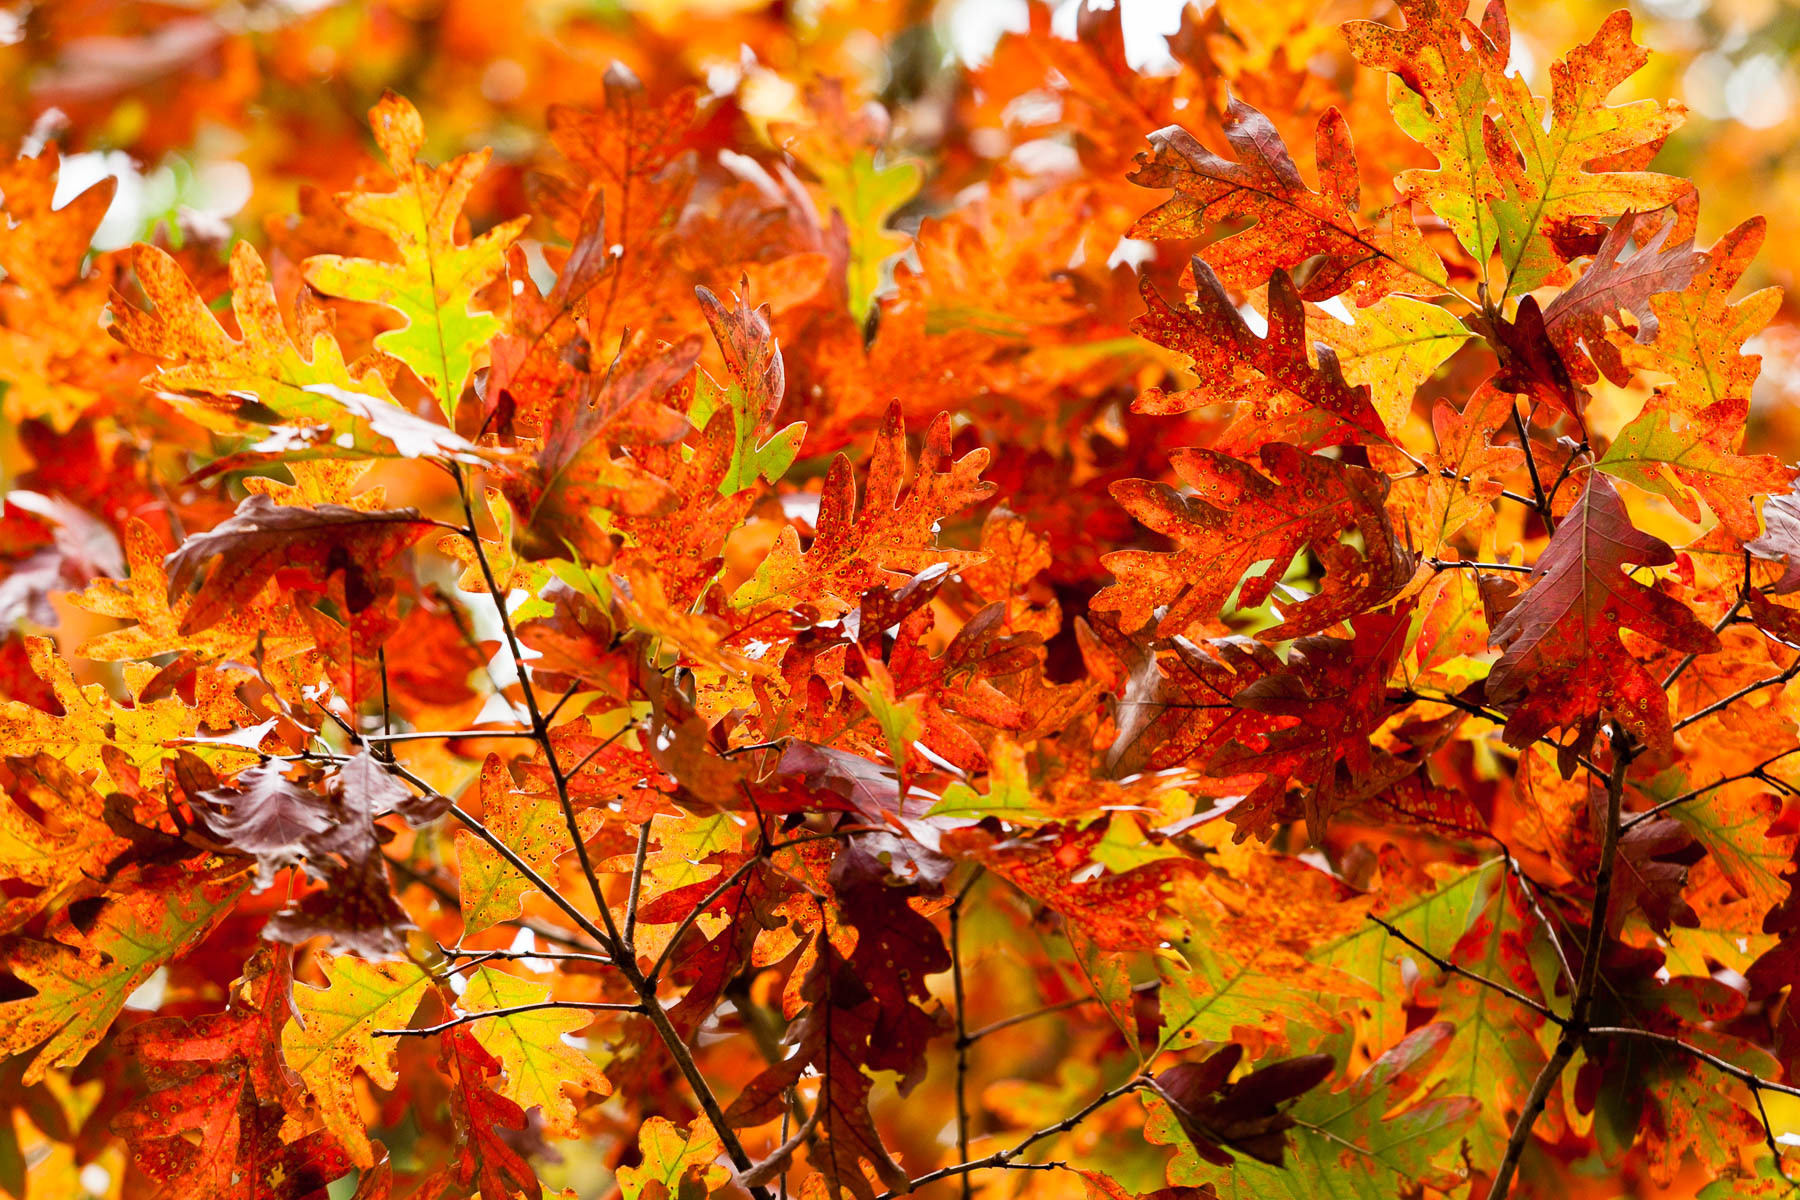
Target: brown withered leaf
{"points": [[1576, 319], [331, 829], [1780, 541], [264, 540], [1220, 1114]]}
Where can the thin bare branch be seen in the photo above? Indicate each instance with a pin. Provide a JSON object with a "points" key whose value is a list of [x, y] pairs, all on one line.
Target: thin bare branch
{"points": [[1003, 1160], [994, 1027], [1759, 771], [637, 886], [1445, 965], [466, 1018], [1719, 706], [611, 940], [1531, 898], [1730, 613]]}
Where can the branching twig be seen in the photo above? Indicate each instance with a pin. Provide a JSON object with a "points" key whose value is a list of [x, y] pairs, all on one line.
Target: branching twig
{"points": [[1736, 606], [1443, 964], [994, 1027], [611, 940], [962, 1034], [421, 735], [724, 885], [1004, 1159], [1577, 1023], [1531, 898], [1498, 718], [466, 1018], [1759, 771], [1467, 564], [1718, 706], [1537, 485], [478, 956]]}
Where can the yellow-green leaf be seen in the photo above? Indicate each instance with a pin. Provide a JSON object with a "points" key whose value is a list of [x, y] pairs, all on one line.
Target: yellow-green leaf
{"points": [[434, 283], [540, 1065], [332, 1035], [671, 1158]]}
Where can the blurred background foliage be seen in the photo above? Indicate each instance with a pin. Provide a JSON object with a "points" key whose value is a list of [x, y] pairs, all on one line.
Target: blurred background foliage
{"points": [[187, 102]]}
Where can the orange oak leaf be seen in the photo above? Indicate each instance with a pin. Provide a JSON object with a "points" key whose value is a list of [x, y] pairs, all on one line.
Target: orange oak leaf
{"points": [[1233, 363], [1239, 517], [1292, 223], [222, 1099], [893, 532]]}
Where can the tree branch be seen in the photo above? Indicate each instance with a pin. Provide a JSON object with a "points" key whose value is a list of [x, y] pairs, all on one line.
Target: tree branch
{"points": [[611, 940], [1759, 771], [1562, 955], [1149, 985], [1736, 606], [1537, 485], [466, 1018], [1582, 1005], [1749, 689], [962, 1036], [1004, 1159], [1445, 965], [637, 886]]}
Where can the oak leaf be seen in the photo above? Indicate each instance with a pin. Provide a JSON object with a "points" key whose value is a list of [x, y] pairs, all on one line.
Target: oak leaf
{"points": [[436, 278], [1239, 517], [264, 539], [1233, 362], [1564, 663], [674, 1163], [329, 1037], [540, 1064], [221, 1099], [890, 534], [1292, 223], [83, 976]]}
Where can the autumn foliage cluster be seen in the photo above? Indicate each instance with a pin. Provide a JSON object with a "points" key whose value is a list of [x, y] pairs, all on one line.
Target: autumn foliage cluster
{"points": [[797, 619]]}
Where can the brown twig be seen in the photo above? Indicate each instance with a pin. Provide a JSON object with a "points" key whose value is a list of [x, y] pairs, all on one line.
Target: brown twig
{"points": [[1445, 965], [611, 940], [1759, 771], [466, 1018], [1580, 1008], [1003, 1160]]}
